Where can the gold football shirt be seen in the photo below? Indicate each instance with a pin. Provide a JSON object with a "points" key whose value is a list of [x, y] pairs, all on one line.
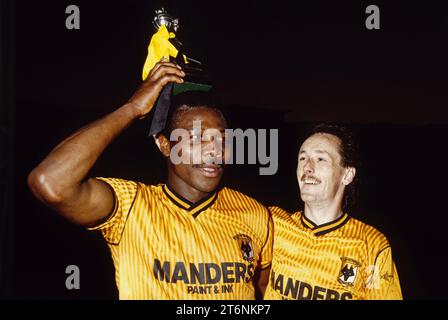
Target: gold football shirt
{"points": [[341, 260], [165, 247]]}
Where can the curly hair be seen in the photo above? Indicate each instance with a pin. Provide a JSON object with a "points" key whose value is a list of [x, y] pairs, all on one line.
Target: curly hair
{"points": [[187, 101]]}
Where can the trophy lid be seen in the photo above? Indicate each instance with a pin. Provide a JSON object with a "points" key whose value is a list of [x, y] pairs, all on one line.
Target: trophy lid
{"points": [[163, 18], [196, 79]]}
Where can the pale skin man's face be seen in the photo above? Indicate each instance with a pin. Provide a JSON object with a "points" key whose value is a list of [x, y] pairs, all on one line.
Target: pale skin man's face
{"points": [[320, 174]]}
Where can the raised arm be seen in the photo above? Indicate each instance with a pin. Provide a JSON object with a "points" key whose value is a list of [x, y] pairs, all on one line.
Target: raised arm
{"points": [[60, 180]]}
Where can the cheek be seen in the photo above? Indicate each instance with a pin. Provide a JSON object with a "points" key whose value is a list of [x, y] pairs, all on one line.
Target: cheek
{"points": [[180, 149], [326, 174], [333, 178], [299, 169], [191, 153], [183, 170], [227, 155], [195, 153]]}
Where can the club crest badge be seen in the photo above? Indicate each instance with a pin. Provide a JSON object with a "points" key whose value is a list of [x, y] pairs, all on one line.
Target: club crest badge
{"points": [[348, 272], [246, 246]]}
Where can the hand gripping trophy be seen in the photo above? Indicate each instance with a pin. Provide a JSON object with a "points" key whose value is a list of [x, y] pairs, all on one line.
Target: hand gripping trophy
{"points": [[164, 44]]}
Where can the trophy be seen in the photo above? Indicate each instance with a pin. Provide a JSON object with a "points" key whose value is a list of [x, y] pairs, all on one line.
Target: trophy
{"points": [[165, 44]]}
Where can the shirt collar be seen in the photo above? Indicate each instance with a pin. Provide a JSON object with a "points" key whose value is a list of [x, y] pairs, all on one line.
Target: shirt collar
{"points": [[194, 208], [325, 228]]}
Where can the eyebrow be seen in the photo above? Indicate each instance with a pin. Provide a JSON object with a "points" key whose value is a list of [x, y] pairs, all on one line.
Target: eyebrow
{"points": [[317, 151], [203, 129]]}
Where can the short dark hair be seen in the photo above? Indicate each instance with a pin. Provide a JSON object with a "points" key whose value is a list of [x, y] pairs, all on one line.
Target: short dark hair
{"points": [[187, 101], [349, 152]]}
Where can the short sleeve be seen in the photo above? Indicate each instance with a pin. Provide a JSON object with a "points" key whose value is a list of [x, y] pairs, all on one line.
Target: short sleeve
{"points": [[266, 251], [125, 193], [382, 279]]}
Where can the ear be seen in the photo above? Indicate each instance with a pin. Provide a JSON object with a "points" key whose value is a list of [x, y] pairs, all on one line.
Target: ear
{"points": [[163, 144], [349, 175]]}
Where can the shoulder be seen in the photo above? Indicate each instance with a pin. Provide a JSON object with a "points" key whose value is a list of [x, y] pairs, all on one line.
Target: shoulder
{"points": [[237, 199], [247, 210], [281, 215], [130, 187], [374, 238]]}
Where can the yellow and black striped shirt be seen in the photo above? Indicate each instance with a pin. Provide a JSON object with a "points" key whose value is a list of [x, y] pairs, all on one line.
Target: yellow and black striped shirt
{"points": [[341, 260], [165, 247]]}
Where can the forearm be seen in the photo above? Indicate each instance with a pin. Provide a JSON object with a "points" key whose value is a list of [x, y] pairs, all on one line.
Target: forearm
{"points": [[68, 164], [60, 181]]}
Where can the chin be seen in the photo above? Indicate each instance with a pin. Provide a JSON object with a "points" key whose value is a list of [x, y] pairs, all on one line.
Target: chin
{"points": [[307, 197], [207, 185]]}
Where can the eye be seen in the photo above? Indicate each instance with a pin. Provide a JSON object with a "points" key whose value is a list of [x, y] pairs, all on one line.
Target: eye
{"points": [[301, 158], [215, 139], [321, 159]]}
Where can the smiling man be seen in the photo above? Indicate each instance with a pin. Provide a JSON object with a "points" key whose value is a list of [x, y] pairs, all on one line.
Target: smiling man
{"points": [[185, 239], [323, 252]]}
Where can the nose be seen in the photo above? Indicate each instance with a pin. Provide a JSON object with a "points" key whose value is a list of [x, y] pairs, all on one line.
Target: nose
{"points": [[308, 167], [212, 149]]}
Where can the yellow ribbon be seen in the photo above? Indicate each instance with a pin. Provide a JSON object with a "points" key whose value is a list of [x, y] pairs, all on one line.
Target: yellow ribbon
{"points": [[159, 47]]}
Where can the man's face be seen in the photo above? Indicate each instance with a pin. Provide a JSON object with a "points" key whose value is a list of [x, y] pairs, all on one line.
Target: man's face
{"points": [[203, 175], [319, 172]]}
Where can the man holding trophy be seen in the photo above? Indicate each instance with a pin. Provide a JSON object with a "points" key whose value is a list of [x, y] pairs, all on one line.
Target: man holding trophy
{"points": [[186, 238]]}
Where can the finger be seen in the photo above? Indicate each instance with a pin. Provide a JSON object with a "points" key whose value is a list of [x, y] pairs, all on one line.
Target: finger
{"points": [[167, 61], [165, 69], [155, 72], [169, 78], [163, 63]]}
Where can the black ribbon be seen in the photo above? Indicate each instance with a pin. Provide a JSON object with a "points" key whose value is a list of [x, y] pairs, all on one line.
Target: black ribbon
{"points": [[161, 110]]}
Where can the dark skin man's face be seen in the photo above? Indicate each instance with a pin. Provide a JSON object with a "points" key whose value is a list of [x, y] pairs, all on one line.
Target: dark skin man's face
{"points": [[202, 174]]}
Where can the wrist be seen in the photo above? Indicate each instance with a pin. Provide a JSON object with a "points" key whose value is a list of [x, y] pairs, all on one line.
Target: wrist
{"points": [[134, 110]]}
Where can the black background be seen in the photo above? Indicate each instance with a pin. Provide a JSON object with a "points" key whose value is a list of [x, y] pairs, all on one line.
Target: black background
{"points": [[277, 65]]}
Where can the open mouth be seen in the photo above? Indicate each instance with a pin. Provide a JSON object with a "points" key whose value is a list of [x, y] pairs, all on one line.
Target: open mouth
{"points": [[309, 180]]}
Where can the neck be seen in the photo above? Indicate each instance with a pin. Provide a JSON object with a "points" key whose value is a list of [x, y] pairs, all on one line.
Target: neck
{"points": [[183, 189], [321, 213]]}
